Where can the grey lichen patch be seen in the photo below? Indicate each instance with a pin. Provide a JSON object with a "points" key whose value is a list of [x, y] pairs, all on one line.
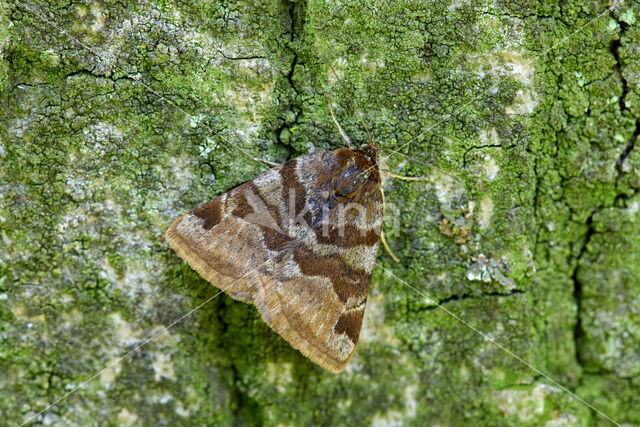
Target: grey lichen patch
{"points": [[515, 64], [280, 376], [485, 213], [374, 325], [127, 418], [489, 269], [532, 405]]}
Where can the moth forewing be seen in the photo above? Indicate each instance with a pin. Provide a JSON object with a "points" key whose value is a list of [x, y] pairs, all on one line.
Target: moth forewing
{"points": [[300, 243]]}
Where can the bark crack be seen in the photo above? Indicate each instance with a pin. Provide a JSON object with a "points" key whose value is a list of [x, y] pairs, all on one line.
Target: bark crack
{"points": [[245, 409], [290, 113], [620, 164], [554, 189], [578, 330], [578, 295], [480, 147], [614, 48], [470, 295]]}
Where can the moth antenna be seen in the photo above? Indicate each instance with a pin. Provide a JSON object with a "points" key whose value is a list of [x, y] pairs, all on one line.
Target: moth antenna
{"points": [[266, 162], [421, 162], [382, 239], [344, 135], [256, 159], [365, 127], [359, 114]]}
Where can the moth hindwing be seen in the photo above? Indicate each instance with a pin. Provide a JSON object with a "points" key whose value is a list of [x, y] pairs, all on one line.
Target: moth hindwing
{"points": [[300, 243]]}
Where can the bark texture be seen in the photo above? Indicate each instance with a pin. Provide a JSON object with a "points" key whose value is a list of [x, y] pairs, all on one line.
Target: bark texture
{"points": [[525, 115]]}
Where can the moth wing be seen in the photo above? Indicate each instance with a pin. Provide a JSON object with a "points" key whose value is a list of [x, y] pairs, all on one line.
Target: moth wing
{"points": [[316, 300], [222, 239], [309, 283], [316, 294]]}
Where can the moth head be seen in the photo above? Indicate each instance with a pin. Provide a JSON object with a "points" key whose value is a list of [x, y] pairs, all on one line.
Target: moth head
{"points": [[371, 151], [358, 176]]}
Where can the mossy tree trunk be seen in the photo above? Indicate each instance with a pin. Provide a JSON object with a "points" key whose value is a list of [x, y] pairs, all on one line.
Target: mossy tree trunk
{"points": [[524, 116]]}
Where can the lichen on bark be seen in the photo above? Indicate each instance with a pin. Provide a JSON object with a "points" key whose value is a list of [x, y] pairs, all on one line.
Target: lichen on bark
{"points": [[525, 117]]}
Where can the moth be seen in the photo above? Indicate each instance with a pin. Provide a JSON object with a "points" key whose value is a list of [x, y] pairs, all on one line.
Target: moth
{"points": [[300, 243]]}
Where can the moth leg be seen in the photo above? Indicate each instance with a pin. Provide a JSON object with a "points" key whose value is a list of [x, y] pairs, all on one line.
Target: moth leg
{"points": [[404, 178], [386, 247], [382, 239], [266, 162], [344, 135]]}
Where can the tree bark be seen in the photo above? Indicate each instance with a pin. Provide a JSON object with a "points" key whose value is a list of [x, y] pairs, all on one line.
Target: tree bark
{"points": [[524, 116]]}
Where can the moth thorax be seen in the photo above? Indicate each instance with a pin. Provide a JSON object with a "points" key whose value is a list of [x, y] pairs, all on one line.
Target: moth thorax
{"points": [[358, 176]]}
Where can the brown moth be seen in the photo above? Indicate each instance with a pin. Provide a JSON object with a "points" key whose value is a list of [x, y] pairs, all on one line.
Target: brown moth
{"points": [[300, 243]]}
